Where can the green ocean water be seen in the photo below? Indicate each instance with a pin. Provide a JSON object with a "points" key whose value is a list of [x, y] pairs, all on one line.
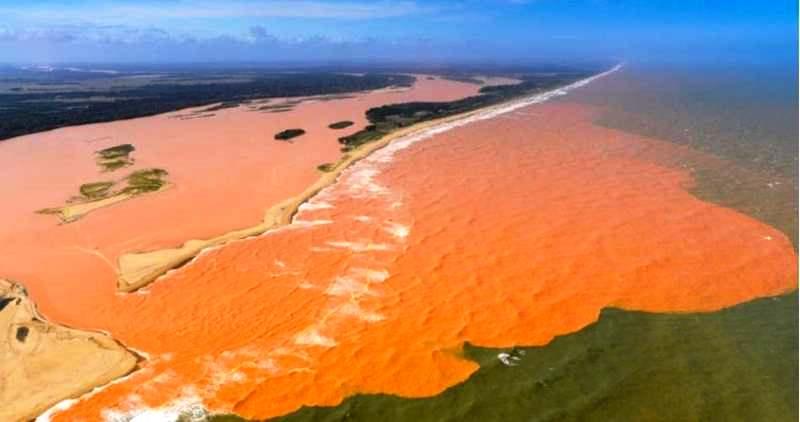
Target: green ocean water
{"points": [[630, 366], [738, 364]]}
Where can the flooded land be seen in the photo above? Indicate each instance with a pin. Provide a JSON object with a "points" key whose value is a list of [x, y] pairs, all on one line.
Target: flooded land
{"points": [[555, 255]]}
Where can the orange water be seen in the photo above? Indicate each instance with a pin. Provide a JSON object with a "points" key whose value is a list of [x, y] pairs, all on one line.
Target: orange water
{"points": [[225, 171], [508, 231]]}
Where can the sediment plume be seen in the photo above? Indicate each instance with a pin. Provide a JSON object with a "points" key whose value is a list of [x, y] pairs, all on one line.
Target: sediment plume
{"points": [[78, 260], [507, 230], [139, 269]]}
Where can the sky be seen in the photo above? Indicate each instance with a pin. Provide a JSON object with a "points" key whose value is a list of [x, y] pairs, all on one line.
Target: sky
{"points": [[429, 31]]}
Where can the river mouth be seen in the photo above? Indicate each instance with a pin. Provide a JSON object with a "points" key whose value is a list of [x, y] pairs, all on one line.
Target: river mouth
{"points": [[507, 231]]}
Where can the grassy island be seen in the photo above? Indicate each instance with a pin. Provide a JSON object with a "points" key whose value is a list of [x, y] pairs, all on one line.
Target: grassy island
{"points": [[95, 190], [115, 157], [341, 125], [326, 167], [143, 181], [95, 195], [289, 134]]}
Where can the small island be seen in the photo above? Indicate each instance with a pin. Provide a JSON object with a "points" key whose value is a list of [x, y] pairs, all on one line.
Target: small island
{"points": [[115, 157], [341, 125], [289, 134], [95, 195], [326, 167]]}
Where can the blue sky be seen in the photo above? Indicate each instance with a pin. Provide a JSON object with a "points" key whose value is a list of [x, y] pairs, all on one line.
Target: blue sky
{"points": [[50, 31]]}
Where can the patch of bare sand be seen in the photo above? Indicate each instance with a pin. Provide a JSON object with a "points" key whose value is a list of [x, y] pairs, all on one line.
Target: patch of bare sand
{"points": [[73, 212], [35, 353]]}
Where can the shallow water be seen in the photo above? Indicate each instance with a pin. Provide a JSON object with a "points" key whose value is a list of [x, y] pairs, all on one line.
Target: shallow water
{"points": [[504, 232], [225, 171]]}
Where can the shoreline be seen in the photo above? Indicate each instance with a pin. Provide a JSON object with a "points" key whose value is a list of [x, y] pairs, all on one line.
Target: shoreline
{"points": [[38, 343], [138, 269]]}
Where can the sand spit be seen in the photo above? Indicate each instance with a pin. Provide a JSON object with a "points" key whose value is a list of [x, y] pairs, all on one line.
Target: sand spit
{"points": [[73, 212], [139, 269], [35, 353]]}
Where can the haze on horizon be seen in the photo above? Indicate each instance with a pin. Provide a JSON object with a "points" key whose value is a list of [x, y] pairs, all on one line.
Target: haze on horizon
{"points": [[437, 31]]}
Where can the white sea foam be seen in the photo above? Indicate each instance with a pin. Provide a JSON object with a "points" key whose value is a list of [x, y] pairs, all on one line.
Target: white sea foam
{"points": [[374, 276], [347, 286], [312, 337], [58, 407], [360, 182], [359, 246], [397, 230], [508, 360], [353, 309], [185, 408], [66, 404], [314, 205]]}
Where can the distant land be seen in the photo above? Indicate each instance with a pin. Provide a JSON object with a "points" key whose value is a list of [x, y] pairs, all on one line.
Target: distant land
{"points": [[44, 97]]}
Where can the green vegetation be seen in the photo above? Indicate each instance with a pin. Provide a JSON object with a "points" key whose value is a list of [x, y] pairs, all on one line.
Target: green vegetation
{"points": [[277, 108], [221, 106], [113, 164], [143, 181], [115, 157], [48, 100], [388, 118], [288, 134], [326, 167], [118, 151], [462, 78], [341, 125], [363, 136], [96, 190], [736, 364], [138, 182]]}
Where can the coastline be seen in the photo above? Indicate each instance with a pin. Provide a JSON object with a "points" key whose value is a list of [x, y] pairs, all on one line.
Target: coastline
{"points": [[137, 270]]}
